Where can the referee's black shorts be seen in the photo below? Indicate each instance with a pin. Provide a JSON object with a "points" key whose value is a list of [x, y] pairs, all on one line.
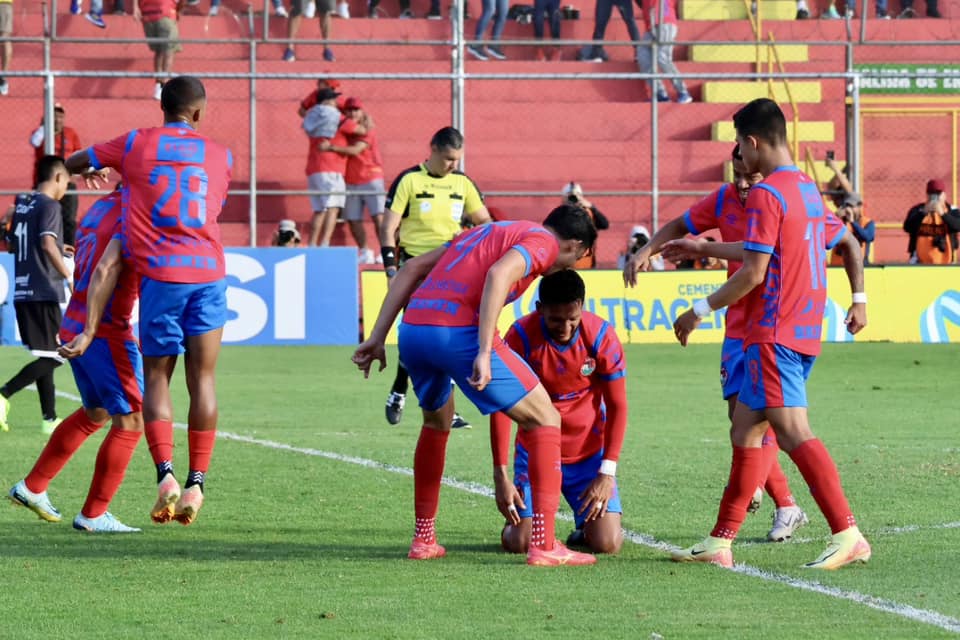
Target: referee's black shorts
{"points": [[39, 324]]}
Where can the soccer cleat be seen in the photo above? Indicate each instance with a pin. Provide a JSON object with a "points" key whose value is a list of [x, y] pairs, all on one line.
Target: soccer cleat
{"points": [[459, 422], [477, 52], [786, 520], [188, 505], [4, 403], [755, 501], [559, 555], [76, 7], [394, 410], [328, 55], [289, 55], [49, 426], [157, 91], [577, 538], [420, 550], [663, 97], [496, 52], [845, 547], [96, 19], [4, 90], [713, 550], [106, 523], [39, 503], [168, 492], [684, 98]]}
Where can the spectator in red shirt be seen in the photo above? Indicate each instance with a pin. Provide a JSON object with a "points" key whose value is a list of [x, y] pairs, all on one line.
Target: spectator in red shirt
{"points": [[323, 82], [661, 20], [65, 143], [159, 19]]}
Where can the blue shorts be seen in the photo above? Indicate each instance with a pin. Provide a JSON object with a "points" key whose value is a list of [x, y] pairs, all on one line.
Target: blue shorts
{"points": [[776, 377], [434, 355], [731, 367], [577, 477], [109, 375], [170, 312]]}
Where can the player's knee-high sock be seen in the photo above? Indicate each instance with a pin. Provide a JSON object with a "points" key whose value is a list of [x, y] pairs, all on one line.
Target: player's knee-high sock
{"points": [[400, 383], [201, 450], [817, 467], [746, 474], [545, 481], [48, 392], [428, 460], [63, 443], [29, 374], [160, 440], [112, 461], [776, 482]]}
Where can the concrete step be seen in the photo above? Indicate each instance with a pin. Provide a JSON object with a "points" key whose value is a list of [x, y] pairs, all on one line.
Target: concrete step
{"points": [[736, 9], [739, 92]]}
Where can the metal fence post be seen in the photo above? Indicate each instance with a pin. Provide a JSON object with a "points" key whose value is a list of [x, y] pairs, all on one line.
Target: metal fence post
{"points": [[458, 85], [48, 101], [853, 161], [253, 144], [654, 134]]}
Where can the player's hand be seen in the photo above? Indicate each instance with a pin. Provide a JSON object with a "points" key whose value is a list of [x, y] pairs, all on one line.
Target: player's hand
{"points": [[682, 249], [596, 497], [69, 250], [856, 318], [366, 353], [324, 145], [684, 326], [94, 178], [481, 371], [509, 499], [636, 262], [76, 347]]}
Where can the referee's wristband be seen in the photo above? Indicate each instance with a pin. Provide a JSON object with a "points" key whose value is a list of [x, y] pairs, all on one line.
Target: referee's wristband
{"points": [[859, 297], [608, 467], [702, 308], [389, 255]]}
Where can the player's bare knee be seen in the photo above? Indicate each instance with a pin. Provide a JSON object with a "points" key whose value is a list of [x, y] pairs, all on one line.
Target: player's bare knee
{"points": [[605, 539], [98, 415], [128, 421]]}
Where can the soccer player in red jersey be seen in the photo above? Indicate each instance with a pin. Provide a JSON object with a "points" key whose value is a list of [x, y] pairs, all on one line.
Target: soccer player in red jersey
{"points": [[783, 278], [175, 182], [453, 297], [580, 361], [110, 379], [724, 210]]}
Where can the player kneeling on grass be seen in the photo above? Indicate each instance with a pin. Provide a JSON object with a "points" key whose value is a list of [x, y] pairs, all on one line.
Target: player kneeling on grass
{"points": [[580, 362], [110, 379]]}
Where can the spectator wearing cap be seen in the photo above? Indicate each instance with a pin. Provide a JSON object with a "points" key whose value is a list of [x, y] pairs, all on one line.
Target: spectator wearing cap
{"points": [[286, 234], [323, 82], [66, 142], [159, 19], [325, 9], [325, 169], [862, 228], [639, 237], [933, 227], [363, 178], [573, 194]]}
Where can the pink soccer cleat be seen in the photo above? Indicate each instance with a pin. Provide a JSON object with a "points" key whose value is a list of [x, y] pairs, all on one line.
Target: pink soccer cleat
{"points": [[420, 550], [168, 492], [188, 505], [558, 556]]}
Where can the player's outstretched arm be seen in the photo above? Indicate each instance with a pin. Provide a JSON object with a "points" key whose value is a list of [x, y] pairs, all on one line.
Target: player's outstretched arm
{"points": [[102, 283], [688, 249], [853, 264], [505, 271], [80, 164], [639, 260]]}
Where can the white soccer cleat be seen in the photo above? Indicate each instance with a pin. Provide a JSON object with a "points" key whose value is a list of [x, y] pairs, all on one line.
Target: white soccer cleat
{"points": [[39, 503], [786, 520], [106, 523]]}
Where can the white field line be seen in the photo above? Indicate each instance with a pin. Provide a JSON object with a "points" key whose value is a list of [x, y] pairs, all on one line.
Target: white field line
{"points": [[923, 616]]}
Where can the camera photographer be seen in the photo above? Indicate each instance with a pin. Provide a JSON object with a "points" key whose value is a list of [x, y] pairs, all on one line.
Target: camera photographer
{"points": [[933, 227], [573, 194], [286, 234], [863, 229], [839, 186], [639, 237]]}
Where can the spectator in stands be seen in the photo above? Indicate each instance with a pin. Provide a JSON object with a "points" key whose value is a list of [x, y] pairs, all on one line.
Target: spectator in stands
{"points": [[601, 17], [933, 226], [214, 5], [159, 19], [286, 235], [550, 8], [497, 10], [66, 142], [573, 194], [325, 8], [639, 236], [709, 263], [862, 228], [405, 12], [803, 11], [831, 11], [323, 82], [839, 186], [94, 16], [6, 52], [908, 12], [661, 21]]}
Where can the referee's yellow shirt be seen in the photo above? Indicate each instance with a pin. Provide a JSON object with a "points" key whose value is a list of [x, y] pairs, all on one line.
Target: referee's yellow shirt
{"points": [[431, 207]]}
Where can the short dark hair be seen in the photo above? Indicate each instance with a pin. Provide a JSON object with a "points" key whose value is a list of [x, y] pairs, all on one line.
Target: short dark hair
{"points": [[447, 138], [47, 167], [562, 287], [763, 119], [571, 222], [180, 94]]}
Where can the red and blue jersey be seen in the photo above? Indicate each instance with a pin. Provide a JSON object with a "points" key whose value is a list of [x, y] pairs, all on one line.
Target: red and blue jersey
{"points": [[450, 294], [575, 375], [175, 183], [786, 218], [723, 210], [98, 226]]}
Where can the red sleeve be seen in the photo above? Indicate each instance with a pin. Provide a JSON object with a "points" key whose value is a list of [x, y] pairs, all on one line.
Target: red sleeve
{"points": [[309, 101], [348, 127], [500, 427], [615, 397], [834, 230], [110, 153], [764, 215], [539, 248], [705, 214], [611, 362]]}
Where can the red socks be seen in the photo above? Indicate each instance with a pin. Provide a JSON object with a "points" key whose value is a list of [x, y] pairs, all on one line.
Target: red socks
{"points": [[545, 481], [112, 460], [746, 474], [201, 449], [776, 482], [818, 470], [160, 440], [428, 460], [63, 443]]}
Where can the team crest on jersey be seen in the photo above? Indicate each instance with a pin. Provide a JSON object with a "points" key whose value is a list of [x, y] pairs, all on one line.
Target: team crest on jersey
{"points": [[589, 366]]}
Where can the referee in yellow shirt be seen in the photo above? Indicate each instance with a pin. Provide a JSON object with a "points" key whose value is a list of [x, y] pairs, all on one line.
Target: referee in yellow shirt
{"points": [[429, 204]]}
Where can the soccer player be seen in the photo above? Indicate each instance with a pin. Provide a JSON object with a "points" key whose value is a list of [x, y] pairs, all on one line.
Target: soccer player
{"points": [[428, 204], [724, 210], [449, 331], [36, 241], [580, 362], [110, 379], [783, 277], [175, 182]]}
